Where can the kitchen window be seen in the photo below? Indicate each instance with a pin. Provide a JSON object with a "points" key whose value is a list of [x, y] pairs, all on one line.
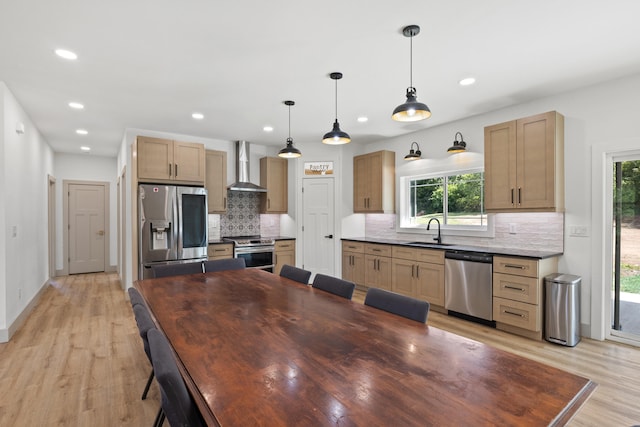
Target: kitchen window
{"points": [[455, 198]]}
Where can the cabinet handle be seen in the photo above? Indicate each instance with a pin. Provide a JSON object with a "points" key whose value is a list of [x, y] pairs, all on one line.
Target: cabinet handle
{"points": [[515, 288], [378, 263], [219, 250], [417, 271], [519, 195], [513, 314], [268, 203], [512, 196], [352, 259], [412, 269], [519, 267], [169, 169], [176, 169], [376, 250], [225, 202]]}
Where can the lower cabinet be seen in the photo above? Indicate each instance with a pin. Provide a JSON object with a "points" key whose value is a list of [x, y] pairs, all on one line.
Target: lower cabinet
{"points": [[418, 273], [220, 251], [285, 253], [377, 266], [353, 262]]}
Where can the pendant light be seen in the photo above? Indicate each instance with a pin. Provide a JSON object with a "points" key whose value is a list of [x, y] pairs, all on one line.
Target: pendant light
{"points": [[289, 152], [411, 110], [414, 155], [458, 146], [336, 136]]}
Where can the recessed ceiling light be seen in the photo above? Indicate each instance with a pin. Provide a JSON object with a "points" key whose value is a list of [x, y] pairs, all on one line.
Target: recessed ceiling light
{"points": [[76, 105], [85, 148], [198, 116], [363, 119], [82, 131], [268, 128], [66, 54], [467, 81]]}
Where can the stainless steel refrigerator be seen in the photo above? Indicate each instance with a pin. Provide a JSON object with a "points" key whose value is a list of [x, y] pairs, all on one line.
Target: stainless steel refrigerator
{"points": [[172, 225]]}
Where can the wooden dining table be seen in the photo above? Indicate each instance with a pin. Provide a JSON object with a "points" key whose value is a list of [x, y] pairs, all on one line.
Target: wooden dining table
{"points": [[255, 348]]}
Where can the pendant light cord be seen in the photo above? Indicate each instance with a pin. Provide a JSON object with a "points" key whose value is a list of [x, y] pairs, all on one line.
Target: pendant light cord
{"points": [[336, 100], [289, 122], [411, 60]]}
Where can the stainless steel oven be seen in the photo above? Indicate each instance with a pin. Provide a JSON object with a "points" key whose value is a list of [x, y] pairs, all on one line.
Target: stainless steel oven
{"points": [[257, 252]]}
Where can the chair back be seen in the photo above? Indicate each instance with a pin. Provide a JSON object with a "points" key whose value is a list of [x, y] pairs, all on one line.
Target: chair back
{"points": [[401, 305], [165, 270], [145, 324], [295, 273], [177, 404], [224, 264], [134, 297], [342, 288]]}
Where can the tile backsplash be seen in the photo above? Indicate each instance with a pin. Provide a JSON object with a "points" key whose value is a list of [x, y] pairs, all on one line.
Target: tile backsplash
{"points": [[243, 214]]}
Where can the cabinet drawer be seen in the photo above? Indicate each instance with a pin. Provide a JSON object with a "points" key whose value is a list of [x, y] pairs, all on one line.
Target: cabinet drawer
{"points": [[285, 245], [404, 252], [353, 247], [380, 250], [518, 288], [518, 266], [519, 314], [223, 250], [432, 256]]}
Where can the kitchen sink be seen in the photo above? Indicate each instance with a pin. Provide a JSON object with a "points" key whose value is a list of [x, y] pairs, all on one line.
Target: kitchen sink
{"points": [[428, 245]]}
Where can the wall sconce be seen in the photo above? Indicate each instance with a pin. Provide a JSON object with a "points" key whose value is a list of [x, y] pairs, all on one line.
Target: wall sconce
{"points": [[413, 155], [458, 146]]}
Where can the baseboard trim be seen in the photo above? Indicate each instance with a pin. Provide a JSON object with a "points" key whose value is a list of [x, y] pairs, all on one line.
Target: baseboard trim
{"points": [[6, 334]]}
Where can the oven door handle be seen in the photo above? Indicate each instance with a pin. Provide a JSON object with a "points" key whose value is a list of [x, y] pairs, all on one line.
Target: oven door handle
{"points": [[253, 250]]}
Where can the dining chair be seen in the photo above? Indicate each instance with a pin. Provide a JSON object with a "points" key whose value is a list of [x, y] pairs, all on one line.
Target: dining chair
{"points": [[401, 305], [145, 324], [224, 264], [342, 288], [295, 273], [165, 270], [135, 297], [177, 405]]}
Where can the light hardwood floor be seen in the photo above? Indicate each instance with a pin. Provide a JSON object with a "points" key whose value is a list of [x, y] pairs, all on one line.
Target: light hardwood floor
{"points": [[78, 361]]}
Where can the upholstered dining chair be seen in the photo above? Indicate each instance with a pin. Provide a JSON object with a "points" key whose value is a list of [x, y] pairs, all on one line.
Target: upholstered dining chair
{"points": [[135, 297], [295, 273], [166, 270], [177, 405], [401, 305], [342, 288], [224, 264], [145, 324]]}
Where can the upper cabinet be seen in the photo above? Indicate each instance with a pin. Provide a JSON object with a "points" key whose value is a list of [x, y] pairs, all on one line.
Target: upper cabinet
{"points": [[524, 164], [374, 183], [274, 177], [216, 181], [166, 160]]}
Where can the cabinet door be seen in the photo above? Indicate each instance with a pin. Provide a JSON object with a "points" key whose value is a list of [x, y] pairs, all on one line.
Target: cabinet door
{"points": [[402, 273], [216, 181], [273, 176], [430, 283], [375, 182], [189, 162], [155, 158], [282, 258], [361, 166], [500, 166], [536, 161], [377, 272], [384, 273]]}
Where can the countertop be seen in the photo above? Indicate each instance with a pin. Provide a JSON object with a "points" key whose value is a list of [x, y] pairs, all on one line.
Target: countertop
{"points": [[522, 253]]}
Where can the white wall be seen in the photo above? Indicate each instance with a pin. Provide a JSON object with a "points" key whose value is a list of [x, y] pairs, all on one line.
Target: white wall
{"points": [[85, 167], [26, 162]]}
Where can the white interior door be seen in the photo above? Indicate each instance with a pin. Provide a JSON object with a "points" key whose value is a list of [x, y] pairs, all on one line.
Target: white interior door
{"points": [[86, 228], [318, 225]]}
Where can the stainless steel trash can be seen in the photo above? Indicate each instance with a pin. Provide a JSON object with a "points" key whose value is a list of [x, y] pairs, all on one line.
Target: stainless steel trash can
{"points": [[562, 309]]}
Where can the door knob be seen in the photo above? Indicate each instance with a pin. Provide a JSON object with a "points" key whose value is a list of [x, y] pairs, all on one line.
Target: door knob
{"points": [[329, 236]]}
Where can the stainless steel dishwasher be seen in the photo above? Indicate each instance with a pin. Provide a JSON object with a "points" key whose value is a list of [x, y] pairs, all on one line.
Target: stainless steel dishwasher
{"points": [[468, 285]]}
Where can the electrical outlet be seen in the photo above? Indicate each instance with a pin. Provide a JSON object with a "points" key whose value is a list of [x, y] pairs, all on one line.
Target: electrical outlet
{"points": [[579, 231], [512, 228]]}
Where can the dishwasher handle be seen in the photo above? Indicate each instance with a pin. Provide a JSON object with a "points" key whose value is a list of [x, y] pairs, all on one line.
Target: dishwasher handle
{"points": [[469, 256]]}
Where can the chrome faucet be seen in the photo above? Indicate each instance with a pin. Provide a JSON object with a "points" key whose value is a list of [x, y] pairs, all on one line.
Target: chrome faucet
{"points": [[439, 238]]}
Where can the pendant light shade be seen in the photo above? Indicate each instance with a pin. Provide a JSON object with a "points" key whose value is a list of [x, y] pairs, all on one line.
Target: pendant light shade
{"points": [[411, 110], [458, 146], [414, 154], [336, 136], [289, 151]]}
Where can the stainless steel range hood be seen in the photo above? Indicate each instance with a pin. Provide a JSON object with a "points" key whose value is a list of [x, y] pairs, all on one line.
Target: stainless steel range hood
{"points": [[242, 170]]}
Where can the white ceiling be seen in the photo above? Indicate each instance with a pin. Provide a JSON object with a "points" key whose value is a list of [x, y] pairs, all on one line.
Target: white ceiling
{"points": [[149, 64]]}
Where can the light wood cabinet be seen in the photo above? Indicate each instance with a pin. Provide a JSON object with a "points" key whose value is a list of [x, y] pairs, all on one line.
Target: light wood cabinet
{"points": [[163, 160], [418, 273], [353, 261], [274, 177], [220, 251], [374, 182], [377, 266], [518, 284], [216, 181], [285, 253], [524, 164]]}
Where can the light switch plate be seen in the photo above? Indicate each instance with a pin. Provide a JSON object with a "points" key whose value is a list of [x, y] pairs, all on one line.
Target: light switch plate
{"points": [[579, 231]]}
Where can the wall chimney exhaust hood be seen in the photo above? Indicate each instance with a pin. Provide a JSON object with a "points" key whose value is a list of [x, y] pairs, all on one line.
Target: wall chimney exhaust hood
{"points": [[242, 170]]}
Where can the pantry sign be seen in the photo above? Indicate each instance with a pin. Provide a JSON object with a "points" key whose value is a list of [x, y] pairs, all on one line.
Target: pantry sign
{"points": [[318, 168]]}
